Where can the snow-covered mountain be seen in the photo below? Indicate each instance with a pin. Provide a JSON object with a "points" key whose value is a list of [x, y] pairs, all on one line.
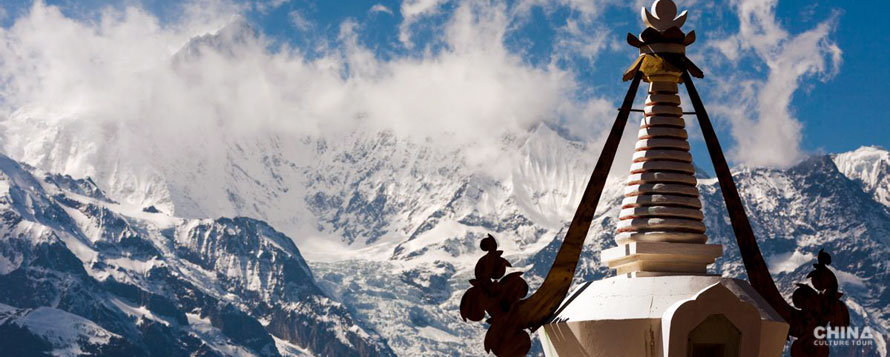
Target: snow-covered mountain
{"points": [[870, 166], [114, 234], [81, 273], [795, 212], [413, 241]]}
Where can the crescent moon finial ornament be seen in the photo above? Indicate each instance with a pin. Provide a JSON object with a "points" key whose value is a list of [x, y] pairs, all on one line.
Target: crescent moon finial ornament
{"points": [[663, 15]]}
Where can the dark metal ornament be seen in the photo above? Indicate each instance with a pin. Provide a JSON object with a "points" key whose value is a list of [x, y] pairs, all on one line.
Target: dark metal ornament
{"points": [[817, 305], [509, 317], [496, 294]]}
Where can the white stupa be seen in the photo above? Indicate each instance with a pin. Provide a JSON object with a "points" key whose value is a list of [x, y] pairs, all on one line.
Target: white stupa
{"points": [[662, 301]]}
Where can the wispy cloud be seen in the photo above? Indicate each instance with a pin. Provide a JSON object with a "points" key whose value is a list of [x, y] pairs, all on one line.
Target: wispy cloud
{"points": [[587, 10], [265, 6], [766, 131], [413, 11], [380, 8], [299, 20]]}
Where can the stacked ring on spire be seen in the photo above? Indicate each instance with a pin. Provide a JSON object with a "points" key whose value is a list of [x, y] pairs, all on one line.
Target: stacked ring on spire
{"points": [[661, 201]]}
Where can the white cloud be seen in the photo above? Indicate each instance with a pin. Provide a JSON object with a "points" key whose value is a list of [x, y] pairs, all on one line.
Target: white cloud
{"points": [[299, 21], [266, 6], [378, 8], [101, 98], [97, 98], [583, 39], [765, 129], [413, 11], [586, 10]]}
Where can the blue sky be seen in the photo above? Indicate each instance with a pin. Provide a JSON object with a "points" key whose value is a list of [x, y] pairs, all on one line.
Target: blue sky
{"points": [[747, 48]]}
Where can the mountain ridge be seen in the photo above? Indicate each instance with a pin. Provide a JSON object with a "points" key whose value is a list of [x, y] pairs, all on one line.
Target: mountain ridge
{"points": [[146, 283], [417, 209]]}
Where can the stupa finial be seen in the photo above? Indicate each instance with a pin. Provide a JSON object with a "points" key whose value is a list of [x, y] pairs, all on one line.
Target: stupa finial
{"points": [[664, 39], [663, 15]]}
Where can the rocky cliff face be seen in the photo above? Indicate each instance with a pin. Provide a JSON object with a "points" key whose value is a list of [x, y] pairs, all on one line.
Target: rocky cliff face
{"points": [[80, 273]]}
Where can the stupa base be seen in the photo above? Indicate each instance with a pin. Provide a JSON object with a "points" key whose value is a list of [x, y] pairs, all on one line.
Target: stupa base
{"points": [[665, 316]]}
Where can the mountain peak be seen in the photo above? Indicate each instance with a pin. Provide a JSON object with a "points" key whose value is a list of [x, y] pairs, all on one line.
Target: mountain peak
{"points": [[870, 167], [866, 153], [225, 41]]}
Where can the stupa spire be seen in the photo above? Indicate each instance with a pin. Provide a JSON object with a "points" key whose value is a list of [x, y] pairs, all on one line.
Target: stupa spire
{"points": [[660, 229]]}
